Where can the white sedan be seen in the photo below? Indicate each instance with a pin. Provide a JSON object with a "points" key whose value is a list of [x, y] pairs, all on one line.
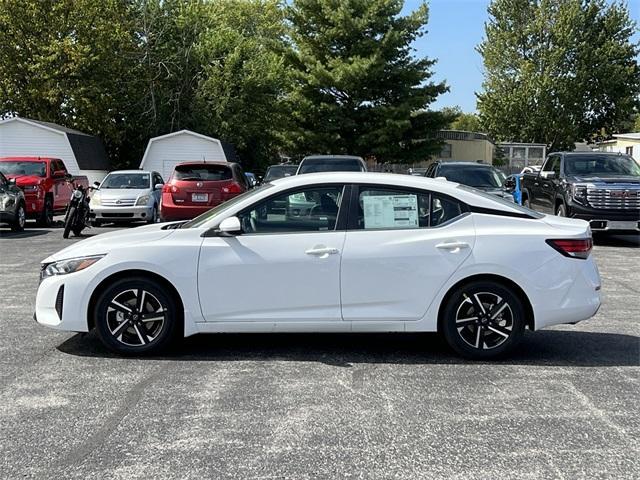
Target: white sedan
{"points": [[331, 252]]}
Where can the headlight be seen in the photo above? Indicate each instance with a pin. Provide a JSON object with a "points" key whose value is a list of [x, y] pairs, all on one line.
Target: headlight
{"points": [[579, 193], [77, 194], [70, 265], [95, 199], [143, 200]]}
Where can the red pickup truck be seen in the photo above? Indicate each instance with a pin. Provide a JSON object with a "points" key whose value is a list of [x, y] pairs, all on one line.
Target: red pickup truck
{"points": [[46, 183]]}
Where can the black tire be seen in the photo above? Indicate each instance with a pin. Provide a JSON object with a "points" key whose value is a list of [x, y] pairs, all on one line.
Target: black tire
{"points": [[476, 335], [96, 223], [127, 333], [46, 216], [68, 222], [561, 210], [77, 231], [18, 223], [154, 216]]}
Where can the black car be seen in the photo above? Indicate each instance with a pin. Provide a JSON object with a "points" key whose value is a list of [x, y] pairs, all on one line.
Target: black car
{"points": [[477, 175], [331, 163], [12, 204], [602, 188], [280, 171]]}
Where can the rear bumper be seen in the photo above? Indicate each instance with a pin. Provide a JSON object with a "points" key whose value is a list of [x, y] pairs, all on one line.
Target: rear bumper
{"points": [[607, 220], [172, 212]]}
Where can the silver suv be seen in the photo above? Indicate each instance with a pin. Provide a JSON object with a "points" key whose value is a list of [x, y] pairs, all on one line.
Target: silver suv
{"points": [[12, 204]]}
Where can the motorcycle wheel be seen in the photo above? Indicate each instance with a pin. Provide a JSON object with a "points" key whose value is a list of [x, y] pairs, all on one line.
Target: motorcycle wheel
{"points": [[68, 221]]}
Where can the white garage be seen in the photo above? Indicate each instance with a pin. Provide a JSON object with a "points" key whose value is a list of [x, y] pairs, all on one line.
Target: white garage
{"points": [[82, 154], [164, 152]]}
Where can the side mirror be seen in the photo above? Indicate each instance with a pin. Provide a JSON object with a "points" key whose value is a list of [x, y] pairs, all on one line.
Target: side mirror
{"points": [[158, 186], [548, 175], [230, 226], [12, 182], [96, 185]]}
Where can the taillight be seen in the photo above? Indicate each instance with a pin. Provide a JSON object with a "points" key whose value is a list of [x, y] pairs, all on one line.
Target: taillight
{"points": [[170, 189], [232, 188], [572, 247]]}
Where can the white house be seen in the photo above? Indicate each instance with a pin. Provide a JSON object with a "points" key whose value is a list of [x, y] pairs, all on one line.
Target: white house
{"points": [[164, 152], [628, 143], [82, 154]]}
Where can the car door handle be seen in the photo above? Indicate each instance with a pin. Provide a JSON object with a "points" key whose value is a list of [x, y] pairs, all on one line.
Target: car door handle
{"points": [[452, 245], [320, 251], [536, 183]]}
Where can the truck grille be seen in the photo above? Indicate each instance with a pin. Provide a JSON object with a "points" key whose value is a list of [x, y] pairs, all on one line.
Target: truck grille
{"points": [[615, 199], [120, 202]]}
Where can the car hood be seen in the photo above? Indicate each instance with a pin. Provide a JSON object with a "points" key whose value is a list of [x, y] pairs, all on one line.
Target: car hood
{"points": [[105, 242], [606, 180], [24, 180], [115, 193]]}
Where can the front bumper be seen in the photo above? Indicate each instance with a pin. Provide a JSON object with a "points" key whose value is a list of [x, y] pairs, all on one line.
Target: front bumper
{"points": [[607, 220], [133, 214], [34, 204]]}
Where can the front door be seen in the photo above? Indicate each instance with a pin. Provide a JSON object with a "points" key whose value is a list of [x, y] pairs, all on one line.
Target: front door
{"points": [[399, 252], [284, 267]]}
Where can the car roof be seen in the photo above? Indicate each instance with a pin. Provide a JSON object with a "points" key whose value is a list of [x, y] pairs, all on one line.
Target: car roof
{"points": [[332, 157], [131, 171], [577, 154], [204, 162], [466, 164], [28, 159]]}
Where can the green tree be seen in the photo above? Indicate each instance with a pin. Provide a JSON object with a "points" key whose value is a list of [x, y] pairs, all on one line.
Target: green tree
{"points": [[68, 62], [558, 71], [244, 79], [468, 122], [358, 88]]}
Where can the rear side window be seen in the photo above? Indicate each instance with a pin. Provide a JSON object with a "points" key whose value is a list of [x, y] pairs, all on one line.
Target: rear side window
{"points": [[390, 209], [203, 172]]}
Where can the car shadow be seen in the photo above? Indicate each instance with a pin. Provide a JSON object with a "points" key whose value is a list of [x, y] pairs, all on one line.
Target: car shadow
{"points": [[609, 240], [5, 233], [562, 348]]}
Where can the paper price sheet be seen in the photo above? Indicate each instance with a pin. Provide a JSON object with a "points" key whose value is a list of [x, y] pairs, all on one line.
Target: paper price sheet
{"points": [[390, 211]]}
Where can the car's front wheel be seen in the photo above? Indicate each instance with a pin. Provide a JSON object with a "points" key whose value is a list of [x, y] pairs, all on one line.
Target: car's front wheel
{"points": [[136, 316], [18, 223], [483, 320]]}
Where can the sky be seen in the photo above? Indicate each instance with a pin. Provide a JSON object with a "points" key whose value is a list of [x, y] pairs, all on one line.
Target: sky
{"points": [[455, 27]]}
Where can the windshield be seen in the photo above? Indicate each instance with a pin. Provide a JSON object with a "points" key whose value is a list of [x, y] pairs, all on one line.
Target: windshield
{"points": [[280, 171], [315, 165], [202, 172], [209, 214], [38, 169], [512, 206], [603, 165], [136, 181], [477, 177]]}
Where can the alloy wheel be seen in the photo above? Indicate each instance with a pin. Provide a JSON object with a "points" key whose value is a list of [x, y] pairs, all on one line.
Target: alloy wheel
{"points": [[135, 317], [21, 217], [484, 320]]}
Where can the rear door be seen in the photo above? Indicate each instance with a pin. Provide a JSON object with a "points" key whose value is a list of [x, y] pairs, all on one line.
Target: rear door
{"points": [[401, 247]]}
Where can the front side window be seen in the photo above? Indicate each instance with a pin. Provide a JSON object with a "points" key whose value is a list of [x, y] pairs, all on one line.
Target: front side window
{"points": [[311, 209], [552, 165], [390, 209]]}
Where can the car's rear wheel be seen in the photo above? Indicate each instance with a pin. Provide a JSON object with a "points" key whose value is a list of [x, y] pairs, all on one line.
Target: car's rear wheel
{"points": [[20, 218], [136, 316], [561, 210], [154, 215], [483, 320]]}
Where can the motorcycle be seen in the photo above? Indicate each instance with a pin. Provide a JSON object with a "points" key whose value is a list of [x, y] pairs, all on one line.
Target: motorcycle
{"points": [[77, 215]]}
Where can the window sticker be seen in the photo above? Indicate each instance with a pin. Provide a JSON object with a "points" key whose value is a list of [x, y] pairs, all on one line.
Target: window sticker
{"points": [[390, 211]]}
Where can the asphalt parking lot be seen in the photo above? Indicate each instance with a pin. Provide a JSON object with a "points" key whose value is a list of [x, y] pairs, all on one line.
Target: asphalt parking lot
{"points": [[319, 406]]}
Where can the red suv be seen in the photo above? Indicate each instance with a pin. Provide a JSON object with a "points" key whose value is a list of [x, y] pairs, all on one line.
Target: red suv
{"points": [[195, 187]]}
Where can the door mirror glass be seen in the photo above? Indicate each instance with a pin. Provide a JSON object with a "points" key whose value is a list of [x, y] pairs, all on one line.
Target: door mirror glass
{"points": [[158, 186], [230, 226]]}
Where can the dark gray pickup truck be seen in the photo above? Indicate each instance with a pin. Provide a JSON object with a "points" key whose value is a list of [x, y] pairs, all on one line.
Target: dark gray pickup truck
{"points": [[602, 188]]}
